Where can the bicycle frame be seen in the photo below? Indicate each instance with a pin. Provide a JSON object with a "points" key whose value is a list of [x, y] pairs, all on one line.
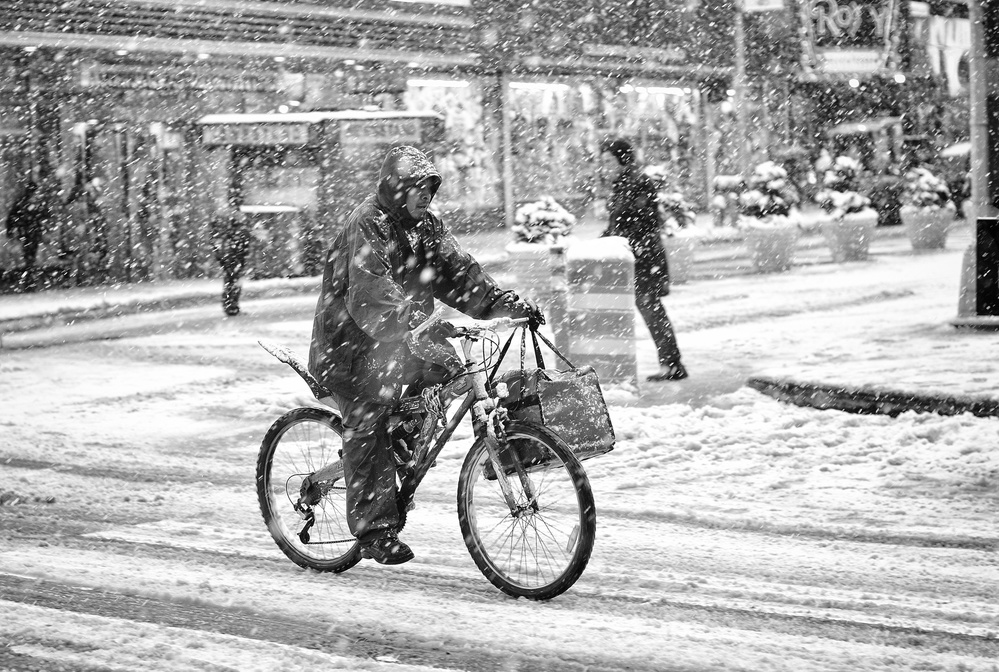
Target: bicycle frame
{"points": [[485, 412], [472, 384]]}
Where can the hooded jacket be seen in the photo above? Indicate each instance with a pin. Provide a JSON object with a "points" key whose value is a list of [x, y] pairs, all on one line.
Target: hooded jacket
{"points": [[383, 272]]}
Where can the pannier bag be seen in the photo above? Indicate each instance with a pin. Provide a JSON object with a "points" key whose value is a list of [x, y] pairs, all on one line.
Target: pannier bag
{"points": [[569, 403]]}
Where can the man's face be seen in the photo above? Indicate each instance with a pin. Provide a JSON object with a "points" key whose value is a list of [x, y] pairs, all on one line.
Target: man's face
{"points": [[418, 199], [609, 167]]}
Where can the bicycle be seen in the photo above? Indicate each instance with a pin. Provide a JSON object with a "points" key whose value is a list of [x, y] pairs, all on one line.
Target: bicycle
{"points": [[525, 506]]}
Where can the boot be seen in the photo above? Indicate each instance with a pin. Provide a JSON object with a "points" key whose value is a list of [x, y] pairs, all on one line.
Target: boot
{"points": [[385, 548], [673, 371]]}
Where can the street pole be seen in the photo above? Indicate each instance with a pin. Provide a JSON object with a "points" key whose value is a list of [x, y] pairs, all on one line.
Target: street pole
{"points": [[977, 300], [982, 186], [507, 148], [739, 89]]}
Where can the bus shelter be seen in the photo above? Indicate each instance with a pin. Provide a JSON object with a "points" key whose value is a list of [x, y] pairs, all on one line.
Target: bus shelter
{"points": [[297, 176]]}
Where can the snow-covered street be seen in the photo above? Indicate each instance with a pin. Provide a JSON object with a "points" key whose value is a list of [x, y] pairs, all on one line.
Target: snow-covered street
{"points": [[734, 532]]}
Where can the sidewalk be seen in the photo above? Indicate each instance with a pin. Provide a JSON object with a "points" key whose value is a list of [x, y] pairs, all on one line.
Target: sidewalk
{"points": [[717, 257], [893, 364]]}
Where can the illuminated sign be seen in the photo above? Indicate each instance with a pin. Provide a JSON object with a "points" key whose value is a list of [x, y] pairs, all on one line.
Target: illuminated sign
{"points": [[255, 134], [762, 5], [379, 131], [848, 36], [100, 75]]}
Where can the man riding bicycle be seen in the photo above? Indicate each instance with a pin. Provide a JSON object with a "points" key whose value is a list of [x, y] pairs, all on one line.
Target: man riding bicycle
{"points": [[383, 272]]}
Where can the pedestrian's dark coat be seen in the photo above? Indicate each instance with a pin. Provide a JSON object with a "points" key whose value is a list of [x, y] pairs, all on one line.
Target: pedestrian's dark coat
{"points": [[27, 220], [383, 272], [634, 214], [230, 242]]}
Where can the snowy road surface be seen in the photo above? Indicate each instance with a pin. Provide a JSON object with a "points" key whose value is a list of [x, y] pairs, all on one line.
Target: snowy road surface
{"points": [[733, 532]]}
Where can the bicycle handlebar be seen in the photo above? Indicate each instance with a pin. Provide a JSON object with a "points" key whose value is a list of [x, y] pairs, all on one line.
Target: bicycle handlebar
{"points": [[496, 323]]}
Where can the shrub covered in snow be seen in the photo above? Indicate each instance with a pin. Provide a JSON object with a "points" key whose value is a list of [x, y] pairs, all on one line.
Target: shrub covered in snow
{"points": [[841, 193], [925, 190], [676, 211], [768, 194], [542, 222]]}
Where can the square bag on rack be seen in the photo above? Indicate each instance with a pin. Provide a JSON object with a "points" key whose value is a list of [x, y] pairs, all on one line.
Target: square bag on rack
{"points": [[568, 402]]}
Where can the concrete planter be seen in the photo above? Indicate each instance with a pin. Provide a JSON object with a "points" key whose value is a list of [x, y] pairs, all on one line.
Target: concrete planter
{"points": [[680, 251], [927, 228], [849, 236], [771, 247], [538, 270]]}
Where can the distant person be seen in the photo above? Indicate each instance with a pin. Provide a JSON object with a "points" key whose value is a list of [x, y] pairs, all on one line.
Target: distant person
{"points": [[385, 270], [89, 240], [231, 244], [26, 223], [634, 214]]}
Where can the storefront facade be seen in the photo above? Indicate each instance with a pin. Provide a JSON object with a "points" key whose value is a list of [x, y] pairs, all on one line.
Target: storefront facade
{"points": [[101, 104], [101, 101]]}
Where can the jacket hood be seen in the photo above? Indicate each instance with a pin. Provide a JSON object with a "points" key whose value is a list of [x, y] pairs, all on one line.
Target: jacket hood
{"points": [[402, 168]]}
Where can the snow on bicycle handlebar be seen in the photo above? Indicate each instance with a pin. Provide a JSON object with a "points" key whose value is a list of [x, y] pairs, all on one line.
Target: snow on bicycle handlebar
{"points": [[497, 323]]}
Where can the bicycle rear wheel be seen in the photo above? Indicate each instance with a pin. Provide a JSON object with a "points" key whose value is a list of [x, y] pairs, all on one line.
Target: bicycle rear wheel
{"points": [[309, 524], [539, 549]]}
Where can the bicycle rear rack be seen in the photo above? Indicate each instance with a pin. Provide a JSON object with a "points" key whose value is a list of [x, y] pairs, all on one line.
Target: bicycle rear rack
{"points": [[288, 357]]}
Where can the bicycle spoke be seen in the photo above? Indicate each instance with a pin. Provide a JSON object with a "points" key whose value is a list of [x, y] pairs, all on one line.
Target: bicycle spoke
{"points": [[538, 548], [301, 443]]}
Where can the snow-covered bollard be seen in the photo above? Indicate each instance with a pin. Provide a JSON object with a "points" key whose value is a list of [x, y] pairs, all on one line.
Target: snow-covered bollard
{"points": [[600, 307]]}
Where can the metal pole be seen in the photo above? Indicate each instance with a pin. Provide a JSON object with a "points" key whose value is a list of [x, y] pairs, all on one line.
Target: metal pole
{"points": [[739, 87], [508, 203], [981, 199]]}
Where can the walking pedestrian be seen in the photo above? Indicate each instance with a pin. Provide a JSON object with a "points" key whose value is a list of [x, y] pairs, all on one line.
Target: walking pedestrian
{"points": [[26, 223], [88, 242], [634, 214], [231, 244]]}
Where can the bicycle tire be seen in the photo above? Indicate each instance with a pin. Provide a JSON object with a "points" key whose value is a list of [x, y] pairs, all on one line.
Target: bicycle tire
{"points": [[298, 444], [539, 553]]}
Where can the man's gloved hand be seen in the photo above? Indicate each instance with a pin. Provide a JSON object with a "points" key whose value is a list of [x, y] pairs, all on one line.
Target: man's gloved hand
{"points": [[440, 330], [529, 309]]}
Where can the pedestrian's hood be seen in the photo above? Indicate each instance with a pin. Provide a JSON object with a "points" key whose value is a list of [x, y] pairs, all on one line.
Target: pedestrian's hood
{"points": [[403, 167]]}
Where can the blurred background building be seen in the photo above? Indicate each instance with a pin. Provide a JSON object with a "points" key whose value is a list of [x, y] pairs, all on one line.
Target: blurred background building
{"points": [[101, 104]]}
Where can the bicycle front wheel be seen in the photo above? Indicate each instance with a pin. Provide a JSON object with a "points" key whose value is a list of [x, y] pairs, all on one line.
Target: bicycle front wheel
{"points": [[302, 493], [539, 547]]}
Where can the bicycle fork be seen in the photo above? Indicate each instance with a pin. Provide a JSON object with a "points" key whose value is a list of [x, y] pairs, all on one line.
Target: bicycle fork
{"points": [[491, 430]]}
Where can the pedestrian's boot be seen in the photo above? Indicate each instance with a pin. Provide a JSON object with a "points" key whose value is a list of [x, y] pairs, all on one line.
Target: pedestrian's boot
{"points": [[674, 371], [230, 300]]}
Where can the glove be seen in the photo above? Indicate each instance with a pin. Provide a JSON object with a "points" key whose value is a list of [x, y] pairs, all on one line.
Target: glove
{"points": [[529, 309], [441, 329]]}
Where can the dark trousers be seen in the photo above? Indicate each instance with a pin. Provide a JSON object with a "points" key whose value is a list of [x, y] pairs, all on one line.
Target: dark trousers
{"points": [[369, 461], [231, 290], [369, 468], [656, 319]]}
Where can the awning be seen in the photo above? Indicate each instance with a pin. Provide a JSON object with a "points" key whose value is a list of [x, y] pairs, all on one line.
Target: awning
{"points": [[958, 149]]}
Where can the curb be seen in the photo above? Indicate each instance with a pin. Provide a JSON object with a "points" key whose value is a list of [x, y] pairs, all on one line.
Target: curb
{"points": [[138, 304], [869, 401]]}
